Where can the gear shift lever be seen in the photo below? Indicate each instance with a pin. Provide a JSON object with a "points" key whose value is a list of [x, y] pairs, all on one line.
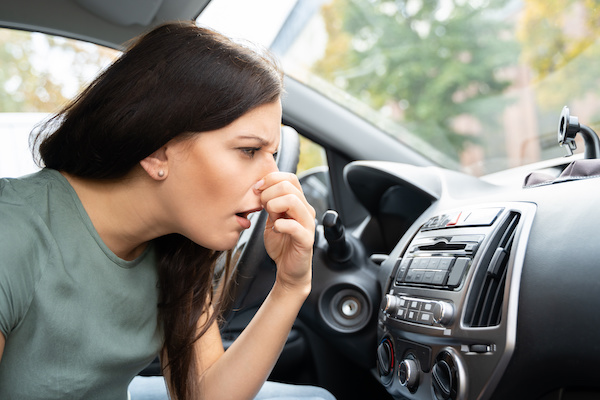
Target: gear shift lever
{"points": [[339, 250]]}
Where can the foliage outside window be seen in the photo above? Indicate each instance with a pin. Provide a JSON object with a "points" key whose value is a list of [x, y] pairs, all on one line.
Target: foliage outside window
{"points": [[40, 73], [476, 85]]}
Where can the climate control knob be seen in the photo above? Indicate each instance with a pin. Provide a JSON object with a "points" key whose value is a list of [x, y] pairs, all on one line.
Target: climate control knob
{"points": [[445, 377], [408, 373], [443, 313], [385, 358]]}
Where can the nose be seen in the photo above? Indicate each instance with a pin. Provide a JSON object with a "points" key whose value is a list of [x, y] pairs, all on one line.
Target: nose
{"points": [[272, 165], [269, 164]]}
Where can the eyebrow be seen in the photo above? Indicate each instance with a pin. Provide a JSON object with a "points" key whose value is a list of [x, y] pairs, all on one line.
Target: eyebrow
{"points": [[259, 139]]}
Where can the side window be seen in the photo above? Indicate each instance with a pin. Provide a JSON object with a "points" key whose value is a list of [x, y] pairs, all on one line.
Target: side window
{"points": [[39, 74], [314, 175]]}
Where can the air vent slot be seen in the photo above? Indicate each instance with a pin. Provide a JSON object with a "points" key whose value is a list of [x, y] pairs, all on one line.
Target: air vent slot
{"points": [[485, 304]]}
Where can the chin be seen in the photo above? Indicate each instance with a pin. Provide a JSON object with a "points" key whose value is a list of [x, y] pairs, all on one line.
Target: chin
{"points": [[224, 244]]}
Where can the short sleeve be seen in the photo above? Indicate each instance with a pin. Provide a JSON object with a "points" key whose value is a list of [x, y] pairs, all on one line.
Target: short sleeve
{"points": [[23, 256]]}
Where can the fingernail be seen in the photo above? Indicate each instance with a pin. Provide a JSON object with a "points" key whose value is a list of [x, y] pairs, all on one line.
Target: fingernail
{"points": [[259, 184]]}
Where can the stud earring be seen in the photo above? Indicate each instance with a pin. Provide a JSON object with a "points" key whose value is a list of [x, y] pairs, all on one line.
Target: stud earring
{"points": [[161, 173]]}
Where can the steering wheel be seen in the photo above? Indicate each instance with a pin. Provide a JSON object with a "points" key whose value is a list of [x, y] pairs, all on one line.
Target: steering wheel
{"points": [[252, 281]]}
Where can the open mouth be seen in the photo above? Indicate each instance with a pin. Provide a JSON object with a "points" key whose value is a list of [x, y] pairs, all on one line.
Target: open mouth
{"points": [[245, 214], [243, 217]]}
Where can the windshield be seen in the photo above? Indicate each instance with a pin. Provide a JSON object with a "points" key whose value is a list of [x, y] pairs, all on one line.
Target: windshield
{"points": [[475, 85]]}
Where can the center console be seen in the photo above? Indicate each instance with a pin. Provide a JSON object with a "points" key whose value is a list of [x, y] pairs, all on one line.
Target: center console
{"points": [[447, 320]]}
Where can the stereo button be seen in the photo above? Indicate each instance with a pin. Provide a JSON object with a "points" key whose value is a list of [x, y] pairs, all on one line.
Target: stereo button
{"points": [[418, 277], [412, 315], [426, 318], [402, 268], [420, 263], [455, 277], [414, 305], [428, 276], [401, 313], [445, 263], [439, 278]]}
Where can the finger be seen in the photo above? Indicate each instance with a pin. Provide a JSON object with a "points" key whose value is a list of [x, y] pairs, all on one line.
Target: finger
{"points": [[276, 177], [290, 206], [281, 183], [299, 233], [281, 189]]}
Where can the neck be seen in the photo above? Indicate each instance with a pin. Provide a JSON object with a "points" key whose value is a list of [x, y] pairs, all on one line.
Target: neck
{"points": [[121, 211]]}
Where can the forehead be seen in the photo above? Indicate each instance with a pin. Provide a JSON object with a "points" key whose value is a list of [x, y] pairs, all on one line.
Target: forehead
{"points": [[260, 127], [261, 124]]}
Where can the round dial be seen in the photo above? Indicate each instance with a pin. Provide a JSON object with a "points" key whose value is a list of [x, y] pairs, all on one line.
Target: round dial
{"points": [[445, 377], [443, 313], [408, 373], [392, 303], [385, 357]]}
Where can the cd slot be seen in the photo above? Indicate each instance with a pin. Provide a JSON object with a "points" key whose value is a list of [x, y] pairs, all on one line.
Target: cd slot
{"points": [[442, 246], [456, 245]]}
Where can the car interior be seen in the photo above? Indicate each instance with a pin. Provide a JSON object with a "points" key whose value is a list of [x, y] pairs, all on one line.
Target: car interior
{"points": [[443, 268]]}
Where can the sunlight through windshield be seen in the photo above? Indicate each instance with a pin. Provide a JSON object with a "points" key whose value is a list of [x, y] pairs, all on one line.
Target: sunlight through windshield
{"points": [[476, 85]]}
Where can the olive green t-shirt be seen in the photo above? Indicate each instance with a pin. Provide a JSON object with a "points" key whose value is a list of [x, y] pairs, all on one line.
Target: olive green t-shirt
{"points": [[79, 322]]}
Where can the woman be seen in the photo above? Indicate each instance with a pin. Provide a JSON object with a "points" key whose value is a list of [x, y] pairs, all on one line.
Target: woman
{"points": [[149, 176]]}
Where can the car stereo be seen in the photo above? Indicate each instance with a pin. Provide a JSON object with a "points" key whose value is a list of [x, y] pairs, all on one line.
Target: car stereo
{"points": [[439, 259]]}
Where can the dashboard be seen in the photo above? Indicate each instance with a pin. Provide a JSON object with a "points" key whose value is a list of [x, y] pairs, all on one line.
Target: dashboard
{"points": [[485, 290]]}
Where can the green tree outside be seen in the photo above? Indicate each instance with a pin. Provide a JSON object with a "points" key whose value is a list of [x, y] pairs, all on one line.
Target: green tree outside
{"points": [[559, 40], [28, 81], [428, 64]]}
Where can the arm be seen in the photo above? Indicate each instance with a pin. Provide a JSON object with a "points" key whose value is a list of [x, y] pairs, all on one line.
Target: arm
{"points": [[2, 342], [240, 372]]}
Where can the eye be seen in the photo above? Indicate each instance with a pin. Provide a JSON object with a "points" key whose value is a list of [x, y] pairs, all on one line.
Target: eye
{"points": [[249, 151]]}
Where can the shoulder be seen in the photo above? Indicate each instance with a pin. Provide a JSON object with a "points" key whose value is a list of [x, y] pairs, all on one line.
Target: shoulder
{"points": [[25, 244], [30, 201], [23, 206]]}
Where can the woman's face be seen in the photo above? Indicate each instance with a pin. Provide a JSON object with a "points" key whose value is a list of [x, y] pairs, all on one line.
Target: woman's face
{"points": [[211, 177]]}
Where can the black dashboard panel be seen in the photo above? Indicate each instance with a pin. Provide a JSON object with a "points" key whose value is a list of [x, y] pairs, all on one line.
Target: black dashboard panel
{"points": [[489, 291]]}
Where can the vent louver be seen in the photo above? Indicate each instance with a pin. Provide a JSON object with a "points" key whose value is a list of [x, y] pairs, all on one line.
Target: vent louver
{"points": [[485, 304]]}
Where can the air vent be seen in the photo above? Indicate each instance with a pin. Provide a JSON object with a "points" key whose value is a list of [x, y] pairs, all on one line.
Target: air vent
{"points": [[485, 304]]}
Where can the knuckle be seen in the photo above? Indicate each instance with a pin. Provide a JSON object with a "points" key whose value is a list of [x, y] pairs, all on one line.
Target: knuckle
{"points": [[289, 186]]}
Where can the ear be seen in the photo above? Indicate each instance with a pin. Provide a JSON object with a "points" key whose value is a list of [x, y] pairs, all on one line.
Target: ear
{"points": [[156, 165]]}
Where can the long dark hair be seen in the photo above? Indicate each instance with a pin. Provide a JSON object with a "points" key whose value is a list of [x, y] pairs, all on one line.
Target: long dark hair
{"points": [[178, 79]]}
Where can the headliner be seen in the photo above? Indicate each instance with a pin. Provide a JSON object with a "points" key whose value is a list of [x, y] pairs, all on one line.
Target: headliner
{"points": [[107, 22]]}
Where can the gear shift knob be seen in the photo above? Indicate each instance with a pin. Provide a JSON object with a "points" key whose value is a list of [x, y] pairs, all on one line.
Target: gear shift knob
{"points": [[339, 250]]}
